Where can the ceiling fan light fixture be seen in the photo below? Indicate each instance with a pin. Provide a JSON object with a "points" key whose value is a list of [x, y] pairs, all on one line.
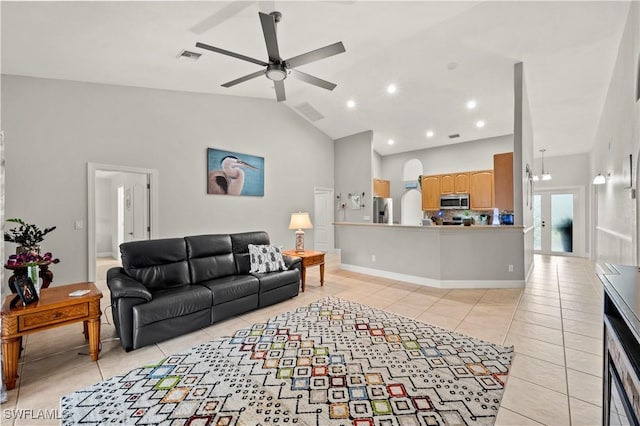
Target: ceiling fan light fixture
{"points": [[276, 72]]}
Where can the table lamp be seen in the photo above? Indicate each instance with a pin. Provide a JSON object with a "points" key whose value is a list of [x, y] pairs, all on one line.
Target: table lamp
{"points": [[300, 221]]}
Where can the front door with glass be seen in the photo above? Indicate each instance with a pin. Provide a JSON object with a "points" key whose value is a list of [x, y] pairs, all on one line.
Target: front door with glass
{"points": [[555, 222]]}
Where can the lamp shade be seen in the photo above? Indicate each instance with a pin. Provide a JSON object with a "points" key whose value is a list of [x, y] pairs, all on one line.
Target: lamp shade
{"points": [[300, 220]]}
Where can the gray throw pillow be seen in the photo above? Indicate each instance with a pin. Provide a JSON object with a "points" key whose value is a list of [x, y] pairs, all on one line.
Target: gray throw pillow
{"points": [[266, 258]]}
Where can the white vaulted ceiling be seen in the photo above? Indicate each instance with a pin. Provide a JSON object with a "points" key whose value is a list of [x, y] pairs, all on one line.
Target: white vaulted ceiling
{"points": [[568, 50]]}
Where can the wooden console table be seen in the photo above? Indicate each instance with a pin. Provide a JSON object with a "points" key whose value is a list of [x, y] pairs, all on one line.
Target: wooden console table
{"points": [[54, 309], [309, 258]]}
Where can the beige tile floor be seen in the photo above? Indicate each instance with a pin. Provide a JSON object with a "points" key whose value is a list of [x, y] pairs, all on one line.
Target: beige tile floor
{"points": [[555, 324]]}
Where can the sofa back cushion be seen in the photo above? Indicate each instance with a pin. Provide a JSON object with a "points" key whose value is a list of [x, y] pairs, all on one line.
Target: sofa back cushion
{"points": [[210, 256], [158, 264], [241, 243]]}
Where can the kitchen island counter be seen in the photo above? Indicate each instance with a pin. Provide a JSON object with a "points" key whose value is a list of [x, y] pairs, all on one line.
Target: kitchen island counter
{"points": [[445, 256], [388, 225]]}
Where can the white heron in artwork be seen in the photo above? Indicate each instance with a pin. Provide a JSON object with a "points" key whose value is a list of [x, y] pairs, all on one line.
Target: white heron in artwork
{"points": [[230, 179]]}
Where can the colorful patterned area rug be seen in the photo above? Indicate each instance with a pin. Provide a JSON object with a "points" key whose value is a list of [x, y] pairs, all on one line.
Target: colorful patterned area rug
{"points": [[333, 362]]}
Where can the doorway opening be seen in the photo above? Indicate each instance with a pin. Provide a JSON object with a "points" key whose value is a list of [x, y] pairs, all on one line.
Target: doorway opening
{"points": [[558, 222], [122, 207]]}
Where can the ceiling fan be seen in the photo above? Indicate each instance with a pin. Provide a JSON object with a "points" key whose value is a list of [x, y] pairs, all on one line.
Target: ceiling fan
{"points": [[278, 69]]}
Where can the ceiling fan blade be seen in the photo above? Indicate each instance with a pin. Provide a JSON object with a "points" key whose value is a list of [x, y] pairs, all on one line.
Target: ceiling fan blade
{"points": [[217, 18], [279, 85], [269, 30], [315, 55], [313, 80], [245, 78], [228, 53]]}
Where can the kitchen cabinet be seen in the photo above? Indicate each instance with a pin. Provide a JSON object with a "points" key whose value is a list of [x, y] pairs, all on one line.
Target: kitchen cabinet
{"points": [[461, 183], [481, 190], [447, 184], [430, 192], [381, 188], [454, 183], [503, 181]]}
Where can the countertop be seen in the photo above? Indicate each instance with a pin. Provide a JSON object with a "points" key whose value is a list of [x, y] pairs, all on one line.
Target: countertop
{"points": [[438, 227], [622, 285]]}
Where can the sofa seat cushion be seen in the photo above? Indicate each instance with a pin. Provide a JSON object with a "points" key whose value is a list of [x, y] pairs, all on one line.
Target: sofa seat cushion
{"points": [[273, 280], [230, 288], [172, 303]]}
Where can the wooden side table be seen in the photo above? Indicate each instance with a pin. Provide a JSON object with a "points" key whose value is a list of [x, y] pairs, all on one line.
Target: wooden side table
{"points": [[55, 308], [309, 258]]}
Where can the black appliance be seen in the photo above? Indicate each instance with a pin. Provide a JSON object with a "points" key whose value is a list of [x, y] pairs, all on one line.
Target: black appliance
{"points": [[621, 378]]}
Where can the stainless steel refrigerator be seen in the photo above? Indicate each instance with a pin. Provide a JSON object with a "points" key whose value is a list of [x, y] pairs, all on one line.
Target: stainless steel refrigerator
{"points": [[382, 210]]}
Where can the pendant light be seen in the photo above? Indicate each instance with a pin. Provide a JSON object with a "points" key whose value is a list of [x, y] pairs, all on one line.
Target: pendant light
{"points": [[544, 176]]}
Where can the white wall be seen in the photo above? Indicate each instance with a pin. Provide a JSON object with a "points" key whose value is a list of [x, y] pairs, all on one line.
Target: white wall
{"points": [[618, 136], [461, 157], [376, 165], [54, 128], [353, 174], [522, 158]]}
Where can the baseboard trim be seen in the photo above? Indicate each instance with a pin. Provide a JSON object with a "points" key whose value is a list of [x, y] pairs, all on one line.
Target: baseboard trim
{"points": [[104, 254], [430, 282]]}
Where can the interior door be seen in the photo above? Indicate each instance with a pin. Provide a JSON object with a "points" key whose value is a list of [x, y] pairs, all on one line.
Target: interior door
{"points": [[557, 222], [140, 209], [135, 208], [323, 220]]}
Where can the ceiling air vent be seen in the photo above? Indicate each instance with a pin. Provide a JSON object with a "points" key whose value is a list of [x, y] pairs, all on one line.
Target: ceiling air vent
{"points": [[187, 54], [453, 136], [310, 112]]}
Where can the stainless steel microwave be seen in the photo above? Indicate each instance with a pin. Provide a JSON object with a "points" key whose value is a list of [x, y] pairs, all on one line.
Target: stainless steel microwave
{"points": [[454, 201]]}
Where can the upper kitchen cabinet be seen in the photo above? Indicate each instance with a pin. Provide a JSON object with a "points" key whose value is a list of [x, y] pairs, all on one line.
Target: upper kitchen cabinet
{"points": [[431, 192], [481, 190], [447, 185], [381, 188], [454, 183], [461, 183], [503, 181]]}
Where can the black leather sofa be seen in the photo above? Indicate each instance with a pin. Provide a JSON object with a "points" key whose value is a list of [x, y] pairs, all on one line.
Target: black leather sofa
{"points": [[173, 286]]}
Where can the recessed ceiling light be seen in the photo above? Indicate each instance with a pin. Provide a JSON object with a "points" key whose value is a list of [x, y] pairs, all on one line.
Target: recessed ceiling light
{"points": [[351, 104], [430, 133], [391, 142], [471, 104], [452, 65], [480, 123], [391, 89]]}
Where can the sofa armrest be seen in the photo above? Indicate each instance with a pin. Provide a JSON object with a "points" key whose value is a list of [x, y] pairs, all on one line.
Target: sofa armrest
{"points": [[292, 261], [122, 285]]}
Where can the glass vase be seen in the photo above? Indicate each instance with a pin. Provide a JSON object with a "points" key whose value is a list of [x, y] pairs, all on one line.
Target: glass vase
{"points": [[32, 272]]}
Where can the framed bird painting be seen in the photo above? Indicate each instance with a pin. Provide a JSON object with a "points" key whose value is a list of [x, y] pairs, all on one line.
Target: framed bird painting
{"points": [[232, 173]]}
